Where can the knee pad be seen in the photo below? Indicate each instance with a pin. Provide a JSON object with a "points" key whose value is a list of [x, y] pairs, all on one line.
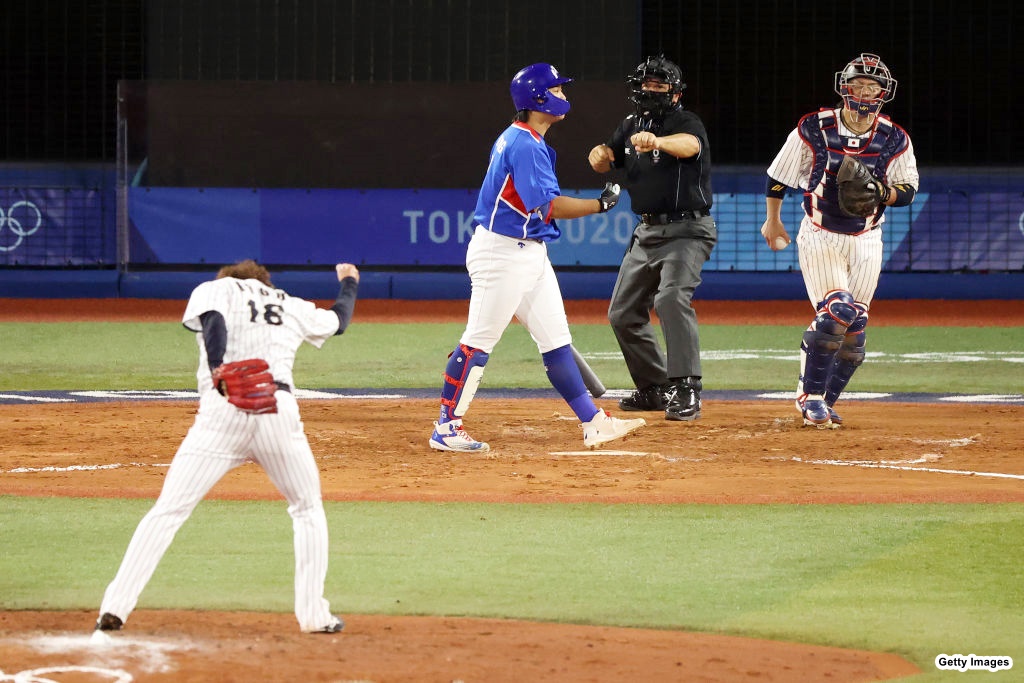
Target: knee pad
{"points": [[462, 378], [837, 316], [861, 322], [838, 308]]}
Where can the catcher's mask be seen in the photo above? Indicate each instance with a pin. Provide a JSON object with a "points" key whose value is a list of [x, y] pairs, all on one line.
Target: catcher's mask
{"points": [[530, 86], [650, 104], [870, 66]]}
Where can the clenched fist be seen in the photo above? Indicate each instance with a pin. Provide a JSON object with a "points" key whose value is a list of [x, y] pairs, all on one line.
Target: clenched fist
{"points": [[601, 158], [345, 270], [644, 141]]}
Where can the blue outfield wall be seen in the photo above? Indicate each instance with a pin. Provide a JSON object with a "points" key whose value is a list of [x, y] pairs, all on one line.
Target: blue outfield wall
{"points": [[963, 238], [318, 284]]}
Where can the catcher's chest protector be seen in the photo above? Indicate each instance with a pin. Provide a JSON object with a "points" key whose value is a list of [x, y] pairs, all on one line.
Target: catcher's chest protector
{"points": [[821, 132]]}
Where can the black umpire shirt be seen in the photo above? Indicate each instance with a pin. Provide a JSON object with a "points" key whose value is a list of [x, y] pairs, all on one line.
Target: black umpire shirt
{"points": [[659, 182]]}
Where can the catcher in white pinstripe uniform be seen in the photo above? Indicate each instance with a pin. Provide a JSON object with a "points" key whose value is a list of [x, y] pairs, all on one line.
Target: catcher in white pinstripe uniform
{"points": [[840, 253], [246, 413]]}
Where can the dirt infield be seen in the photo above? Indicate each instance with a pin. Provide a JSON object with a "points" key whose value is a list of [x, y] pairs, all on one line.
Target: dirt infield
{"points": [[753, 452]]}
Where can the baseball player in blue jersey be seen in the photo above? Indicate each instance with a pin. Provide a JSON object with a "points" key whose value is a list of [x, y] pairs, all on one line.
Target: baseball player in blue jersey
{"points": [[511, 275], [840, 242], [248, 333]]}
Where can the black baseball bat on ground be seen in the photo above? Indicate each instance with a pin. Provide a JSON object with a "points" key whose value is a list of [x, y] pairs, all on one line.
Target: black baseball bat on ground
{"points": [[590, 378]]}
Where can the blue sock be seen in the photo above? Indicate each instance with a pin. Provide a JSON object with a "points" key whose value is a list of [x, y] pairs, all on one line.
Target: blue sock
{"points": [[566, 379]]}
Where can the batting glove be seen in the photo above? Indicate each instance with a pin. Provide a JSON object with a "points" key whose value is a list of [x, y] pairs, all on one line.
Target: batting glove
{"points": [[610, 197]]}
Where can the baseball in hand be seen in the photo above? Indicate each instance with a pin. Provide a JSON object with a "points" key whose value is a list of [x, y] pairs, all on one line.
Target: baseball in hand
{"points": [[780, 243]]}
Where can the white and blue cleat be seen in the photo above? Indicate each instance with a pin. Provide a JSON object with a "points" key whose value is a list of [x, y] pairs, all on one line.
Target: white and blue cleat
{"points": [[450, 436]]}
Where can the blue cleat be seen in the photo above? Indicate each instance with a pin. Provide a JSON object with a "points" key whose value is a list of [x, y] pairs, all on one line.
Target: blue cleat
{"points": [[814, 411]]}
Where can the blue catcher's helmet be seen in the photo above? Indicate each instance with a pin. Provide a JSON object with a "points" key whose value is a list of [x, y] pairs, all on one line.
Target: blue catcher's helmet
{"points": [[529, 89]]}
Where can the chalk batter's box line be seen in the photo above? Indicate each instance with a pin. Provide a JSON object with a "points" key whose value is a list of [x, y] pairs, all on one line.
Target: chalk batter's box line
{"points": [[905, 468]]}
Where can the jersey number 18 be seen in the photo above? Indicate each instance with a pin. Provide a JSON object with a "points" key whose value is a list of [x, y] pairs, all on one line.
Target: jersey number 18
{"points": [[271, 313]]}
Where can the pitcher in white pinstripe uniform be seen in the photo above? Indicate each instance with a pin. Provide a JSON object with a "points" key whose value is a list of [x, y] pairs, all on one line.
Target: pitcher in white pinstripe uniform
{"points": [[240, 315], [840, 255]]}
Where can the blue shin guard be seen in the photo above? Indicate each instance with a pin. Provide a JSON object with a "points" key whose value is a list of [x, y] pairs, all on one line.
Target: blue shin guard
{"points": [[823, 339], [565, 377], [461, 380]]}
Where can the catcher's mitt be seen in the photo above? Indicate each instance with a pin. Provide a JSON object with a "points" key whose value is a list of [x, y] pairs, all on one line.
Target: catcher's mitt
{"points": [[247, 385], [858, 190]]}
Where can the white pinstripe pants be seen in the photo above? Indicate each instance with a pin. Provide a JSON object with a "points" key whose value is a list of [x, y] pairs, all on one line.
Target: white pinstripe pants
{"points": [[221, 439], [831, 260]]}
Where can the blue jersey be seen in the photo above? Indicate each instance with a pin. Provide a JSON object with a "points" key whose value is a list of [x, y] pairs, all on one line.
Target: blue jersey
{"points": [[515, 198]]}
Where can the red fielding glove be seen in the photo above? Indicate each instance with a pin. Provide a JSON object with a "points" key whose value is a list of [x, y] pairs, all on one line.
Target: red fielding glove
{"points": [[247, 385]]}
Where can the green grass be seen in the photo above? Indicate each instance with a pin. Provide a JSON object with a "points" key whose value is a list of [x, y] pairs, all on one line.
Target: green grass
{"points": [[917, 580], [40, 356]]}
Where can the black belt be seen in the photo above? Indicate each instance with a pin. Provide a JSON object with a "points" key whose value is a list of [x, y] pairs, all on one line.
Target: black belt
{"points": [[663, 218], [283, 386]]}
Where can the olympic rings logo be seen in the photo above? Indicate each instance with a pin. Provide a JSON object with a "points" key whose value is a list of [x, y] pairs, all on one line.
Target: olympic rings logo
{"points": [[20, 221]]}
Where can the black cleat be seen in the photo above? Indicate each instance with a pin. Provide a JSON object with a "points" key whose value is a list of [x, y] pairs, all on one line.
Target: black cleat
{"points": [[650, 398], [335, 626], [108, 622], [684, 400]]}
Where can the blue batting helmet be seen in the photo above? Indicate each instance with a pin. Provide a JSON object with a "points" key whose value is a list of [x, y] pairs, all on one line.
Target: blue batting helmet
{"points": [[529, 89]]}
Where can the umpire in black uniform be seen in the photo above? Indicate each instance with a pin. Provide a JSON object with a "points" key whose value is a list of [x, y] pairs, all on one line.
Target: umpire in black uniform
{"points": [[665, 153]]}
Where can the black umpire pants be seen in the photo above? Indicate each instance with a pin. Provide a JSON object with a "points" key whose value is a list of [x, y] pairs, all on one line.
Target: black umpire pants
{"points": [[660, 270]]}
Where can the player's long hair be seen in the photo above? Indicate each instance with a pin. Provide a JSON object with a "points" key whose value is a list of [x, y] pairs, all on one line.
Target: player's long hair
{"points": [[246, 270]]}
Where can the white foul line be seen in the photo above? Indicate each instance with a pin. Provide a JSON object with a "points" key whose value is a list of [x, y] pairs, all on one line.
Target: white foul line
{"points": [[83, 468], [597, 452], [968, 473], [37, 399]]}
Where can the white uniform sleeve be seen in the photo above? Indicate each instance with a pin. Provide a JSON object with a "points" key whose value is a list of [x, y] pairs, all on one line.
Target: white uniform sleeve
{"points": [[209, 296], [903, 169], [792, 165], [317, 324]]}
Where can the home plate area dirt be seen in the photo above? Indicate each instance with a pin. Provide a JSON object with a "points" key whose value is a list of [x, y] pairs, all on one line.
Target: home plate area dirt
{"points": [[738, 452]]}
